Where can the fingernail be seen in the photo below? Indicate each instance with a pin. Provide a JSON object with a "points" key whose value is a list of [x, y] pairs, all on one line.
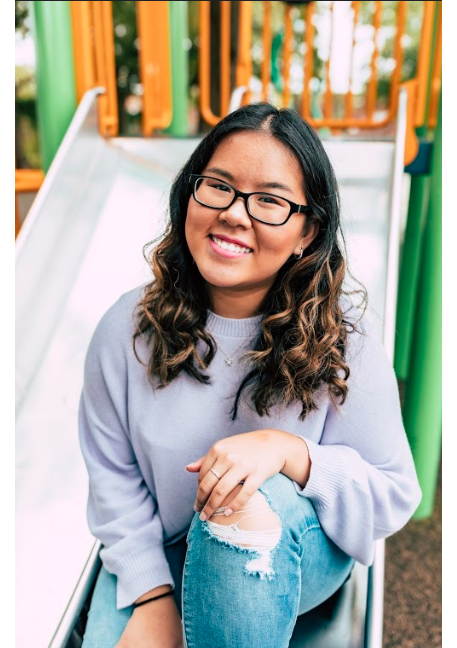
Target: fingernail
{"points": [[203, 517], [196, 508], [228, 511]]}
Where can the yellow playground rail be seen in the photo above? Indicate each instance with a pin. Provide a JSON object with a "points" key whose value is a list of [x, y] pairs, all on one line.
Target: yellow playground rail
{"points": [[84, 54], [155, 65], [93, 44]]}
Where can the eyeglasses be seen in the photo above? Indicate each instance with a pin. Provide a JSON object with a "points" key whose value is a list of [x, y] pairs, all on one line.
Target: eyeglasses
{"points": [[263, 207]]}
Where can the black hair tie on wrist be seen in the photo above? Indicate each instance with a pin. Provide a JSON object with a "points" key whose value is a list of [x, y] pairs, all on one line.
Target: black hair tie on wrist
{"points": [[153, 598]]}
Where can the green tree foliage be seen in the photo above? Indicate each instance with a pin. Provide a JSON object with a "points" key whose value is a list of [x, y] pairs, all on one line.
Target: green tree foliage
{"points": [[21, 17], [27, 150], [127, 68]]}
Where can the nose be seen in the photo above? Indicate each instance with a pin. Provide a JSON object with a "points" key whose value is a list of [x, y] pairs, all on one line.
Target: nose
{"points": [[236, 214]]}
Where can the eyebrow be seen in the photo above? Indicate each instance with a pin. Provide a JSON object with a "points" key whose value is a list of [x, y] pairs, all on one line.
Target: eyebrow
{"points": [[262, 185]]}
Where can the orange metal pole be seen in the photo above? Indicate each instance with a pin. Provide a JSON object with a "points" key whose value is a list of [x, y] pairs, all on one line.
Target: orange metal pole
{"points": [[28, 180], [204, 51], [349, 99], [436, 76], [287, 55], [423, 62], [244, 62], [83, 46], [266, 45], [309, 62], [225, 57], [411, 141], [372, 89], [155, 65], [105, 67]]}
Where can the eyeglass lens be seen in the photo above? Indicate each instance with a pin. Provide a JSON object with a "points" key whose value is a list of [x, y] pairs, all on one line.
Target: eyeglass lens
{"points": [[215, 193]]}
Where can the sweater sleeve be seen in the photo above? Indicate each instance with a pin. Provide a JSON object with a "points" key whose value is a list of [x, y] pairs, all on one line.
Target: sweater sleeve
{"points": [[363, 481], [121, 510]]}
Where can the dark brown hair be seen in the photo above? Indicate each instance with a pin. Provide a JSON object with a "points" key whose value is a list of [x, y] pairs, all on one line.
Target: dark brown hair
{"points": [[303, 333]]}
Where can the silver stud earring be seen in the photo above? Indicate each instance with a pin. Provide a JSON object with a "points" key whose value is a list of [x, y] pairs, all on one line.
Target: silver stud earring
{"points": [[299, 256]]}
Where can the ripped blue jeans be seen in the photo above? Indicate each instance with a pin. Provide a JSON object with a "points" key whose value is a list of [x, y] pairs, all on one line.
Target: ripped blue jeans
{"points": [[244, 579]]}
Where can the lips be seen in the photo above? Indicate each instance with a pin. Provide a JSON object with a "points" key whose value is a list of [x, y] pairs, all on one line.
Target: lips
{"points": [[228, 250], [222, 237]]}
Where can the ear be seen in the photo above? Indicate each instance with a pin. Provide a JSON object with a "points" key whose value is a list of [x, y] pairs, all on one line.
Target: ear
{"points": [[310, 233]]}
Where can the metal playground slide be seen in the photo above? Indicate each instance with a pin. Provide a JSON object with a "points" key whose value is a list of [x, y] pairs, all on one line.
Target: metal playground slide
{"points": [[80, 248]]}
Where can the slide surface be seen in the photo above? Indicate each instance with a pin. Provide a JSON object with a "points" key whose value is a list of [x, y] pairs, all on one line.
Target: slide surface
{"points": [[79, 250]]}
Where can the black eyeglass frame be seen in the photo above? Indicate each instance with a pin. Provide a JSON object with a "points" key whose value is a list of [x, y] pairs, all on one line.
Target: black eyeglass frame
{"points": [[294, 207]]}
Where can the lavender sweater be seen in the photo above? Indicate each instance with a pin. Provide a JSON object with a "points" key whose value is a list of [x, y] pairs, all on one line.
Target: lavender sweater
{"points": [[137, 442]]}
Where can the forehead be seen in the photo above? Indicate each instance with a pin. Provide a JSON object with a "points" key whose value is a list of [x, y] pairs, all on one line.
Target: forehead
{"points": [[253, 157]]}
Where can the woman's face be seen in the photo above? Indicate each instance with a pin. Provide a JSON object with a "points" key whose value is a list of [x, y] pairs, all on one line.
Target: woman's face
{"points": [[238, 282]]}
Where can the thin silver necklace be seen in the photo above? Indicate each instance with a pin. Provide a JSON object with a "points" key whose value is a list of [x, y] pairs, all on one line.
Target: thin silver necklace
{"points": [[229, 359]]}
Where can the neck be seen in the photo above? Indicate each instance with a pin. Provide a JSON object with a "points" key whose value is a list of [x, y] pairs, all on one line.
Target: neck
{"points": [[236, 305]]}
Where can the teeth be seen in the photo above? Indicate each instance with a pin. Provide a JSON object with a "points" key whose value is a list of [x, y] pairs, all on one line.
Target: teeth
{"points": [[231, 247]]}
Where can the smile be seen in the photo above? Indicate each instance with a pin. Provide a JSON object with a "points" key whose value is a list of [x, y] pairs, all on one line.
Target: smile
{"points": [[232, 248]]}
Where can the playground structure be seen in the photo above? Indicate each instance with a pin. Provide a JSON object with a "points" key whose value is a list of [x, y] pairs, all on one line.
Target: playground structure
{"points": [[77, 221]]}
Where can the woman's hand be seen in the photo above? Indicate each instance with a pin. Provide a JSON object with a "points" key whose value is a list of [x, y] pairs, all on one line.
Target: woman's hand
{"points": [[154, 625], [252, 457]]}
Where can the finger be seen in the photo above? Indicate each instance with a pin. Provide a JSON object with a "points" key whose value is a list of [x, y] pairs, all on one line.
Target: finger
{"points": [[206, 484], [195, 465], [239, 501], [220, 493], [209, 461]]}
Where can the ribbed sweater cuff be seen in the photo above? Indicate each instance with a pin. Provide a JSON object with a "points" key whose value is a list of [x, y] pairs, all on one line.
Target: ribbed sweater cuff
{"points": [[327, 475], [141, 572]]}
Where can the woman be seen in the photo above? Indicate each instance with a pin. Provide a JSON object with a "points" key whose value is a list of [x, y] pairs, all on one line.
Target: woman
{"points": [[238, 382]]}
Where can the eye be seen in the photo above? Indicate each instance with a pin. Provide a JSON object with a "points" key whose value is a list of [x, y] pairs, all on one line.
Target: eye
{"points": [[219, 186], [270, 200]]}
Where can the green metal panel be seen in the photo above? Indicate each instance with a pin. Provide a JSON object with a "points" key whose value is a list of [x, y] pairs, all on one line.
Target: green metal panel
{"points": [[409, 271], [179, 68], [56, 94], [412, 246], [422, 412]]}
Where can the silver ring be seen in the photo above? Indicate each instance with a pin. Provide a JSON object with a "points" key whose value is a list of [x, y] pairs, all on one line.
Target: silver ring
{"points": [[215, 473]]}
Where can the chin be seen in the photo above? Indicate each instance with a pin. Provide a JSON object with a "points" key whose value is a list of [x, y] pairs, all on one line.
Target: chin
{"points": [[213, 282], [217, 276]]}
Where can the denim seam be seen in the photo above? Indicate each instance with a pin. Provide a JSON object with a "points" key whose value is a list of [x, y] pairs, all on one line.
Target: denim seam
{"points": [[310, 528], [183, 606], [194, 521], [273, 508]]}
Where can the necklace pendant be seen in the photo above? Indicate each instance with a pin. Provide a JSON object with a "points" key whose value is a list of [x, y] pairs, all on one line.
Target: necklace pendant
{"points": [[229, 362]]}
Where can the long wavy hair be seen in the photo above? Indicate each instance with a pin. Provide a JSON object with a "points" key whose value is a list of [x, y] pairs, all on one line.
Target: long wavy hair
{"points": [[302, 340]]}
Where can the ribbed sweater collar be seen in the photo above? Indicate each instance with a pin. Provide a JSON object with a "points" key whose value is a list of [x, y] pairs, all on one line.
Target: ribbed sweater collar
{"points": [[237, 328]]}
